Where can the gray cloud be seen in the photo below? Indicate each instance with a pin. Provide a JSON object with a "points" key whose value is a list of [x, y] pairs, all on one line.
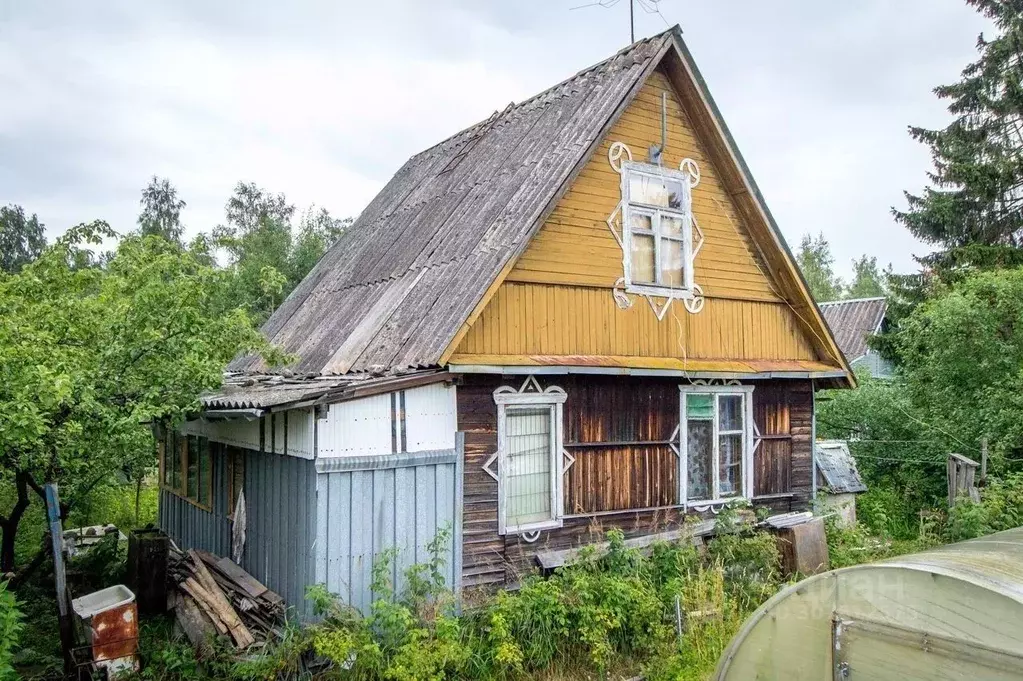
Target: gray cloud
{"points": [[324, 100]]}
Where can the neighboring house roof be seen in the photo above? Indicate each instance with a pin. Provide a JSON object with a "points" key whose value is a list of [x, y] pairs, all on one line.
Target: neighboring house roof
{"points": [[406, 280], [853, 322], [838, 467]]}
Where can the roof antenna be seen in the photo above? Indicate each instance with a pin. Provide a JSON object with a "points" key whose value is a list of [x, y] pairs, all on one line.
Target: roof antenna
{"points": [[611, 3], [656, 152]]}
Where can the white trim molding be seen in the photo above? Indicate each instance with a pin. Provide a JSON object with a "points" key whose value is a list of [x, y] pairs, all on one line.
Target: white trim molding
{"points": [[716, 502], [531, 396]]}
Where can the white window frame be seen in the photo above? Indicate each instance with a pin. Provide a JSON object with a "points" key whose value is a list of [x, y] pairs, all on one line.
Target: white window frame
{"points": [[630, 169], [554, 399], [744, 391]]}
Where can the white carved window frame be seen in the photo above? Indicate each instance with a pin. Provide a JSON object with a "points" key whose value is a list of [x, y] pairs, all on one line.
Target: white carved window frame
{"points": [[685, 213], [748, 435], [507, 398]]}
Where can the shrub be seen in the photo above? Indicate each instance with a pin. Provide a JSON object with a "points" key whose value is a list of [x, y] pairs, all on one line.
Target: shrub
{"points": [[10, 632]]}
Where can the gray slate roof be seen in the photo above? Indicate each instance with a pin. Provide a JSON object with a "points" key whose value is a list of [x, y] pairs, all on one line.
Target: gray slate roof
{"points": [[394, 291], [854, 321], [838, 467]]}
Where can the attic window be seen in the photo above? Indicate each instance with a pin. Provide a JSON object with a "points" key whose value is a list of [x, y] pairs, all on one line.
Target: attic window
{"points": [[658, 231]]}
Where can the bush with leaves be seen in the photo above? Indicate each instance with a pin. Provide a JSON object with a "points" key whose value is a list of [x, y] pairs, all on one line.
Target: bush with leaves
{"points": [[10, 631]]}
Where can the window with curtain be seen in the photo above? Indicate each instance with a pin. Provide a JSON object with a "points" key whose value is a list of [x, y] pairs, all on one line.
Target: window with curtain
{"points": [[529, 459], [717, 441], [657, 218]]}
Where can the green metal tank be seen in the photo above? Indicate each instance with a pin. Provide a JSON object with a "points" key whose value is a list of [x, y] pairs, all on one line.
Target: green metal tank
{"points": [[951, 613]]}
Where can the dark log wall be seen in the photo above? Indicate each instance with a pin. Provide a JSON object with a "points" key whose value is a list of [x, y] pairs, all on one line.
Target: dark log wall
{"points": [[625, 473]]}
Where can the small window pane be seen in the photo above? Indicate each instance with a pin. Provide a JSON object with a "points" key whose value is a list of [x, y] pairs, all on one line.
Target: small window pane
{"points": [[730, 464], [205, 470], [700, 458], [642, 259], [175, 458], [730, 412], [527, 470], [671, 226], [700, 406], [641, 221], [655, 191], [167, 456], [671, 263], [192, 479]]}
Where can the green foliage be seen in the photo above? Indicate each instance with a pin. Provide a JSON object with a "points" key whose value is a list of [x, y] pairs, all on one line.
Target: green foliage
{"points": [[10, 632], [89, 354], [974, 194], [21, 239], [1000, 508], [267, 255], [818, 265], [161, 210], [900, 450], [868, 281], [963, 358], [856, 545]]}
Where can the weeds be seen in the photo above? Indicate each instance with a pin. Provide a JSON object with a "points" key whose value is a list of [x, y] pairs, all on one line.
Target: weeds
{"points": [[10, 631]]}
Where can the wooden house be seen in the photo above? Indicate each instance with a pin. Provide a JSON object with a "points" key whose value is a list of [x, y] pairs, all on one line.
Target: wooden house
{"points": [[577, 314]]}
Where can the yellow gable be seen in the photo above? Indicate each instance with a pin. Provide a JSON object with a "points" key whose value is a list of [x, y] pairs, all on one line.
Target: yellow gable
{"points": [[556, 305]]}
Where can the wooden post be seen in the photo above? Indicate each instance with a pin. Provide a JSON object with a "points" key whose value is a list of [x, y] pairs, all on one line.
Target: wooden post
{"points": [[59, 576], [983, 461]]}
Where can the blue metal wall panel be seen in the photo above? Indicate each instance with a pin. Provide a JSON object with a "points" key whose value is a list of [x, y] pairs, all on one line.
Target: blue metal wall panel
{"points": [[280, 508], [368, 511]]}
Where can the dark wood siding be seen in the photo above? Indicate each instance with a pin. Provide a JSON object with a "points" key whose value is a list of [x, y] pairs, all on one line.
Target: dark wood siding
{"points": [[625, 473]]}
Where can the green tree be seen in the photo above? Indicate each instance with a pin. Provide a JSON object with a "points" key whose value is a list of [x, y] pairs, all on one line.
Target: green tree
{"points": [[817, 263], [21, 238], [161, 210], [90, 354], [962, 355], [868, 281], [267, 255], [972, 210]]}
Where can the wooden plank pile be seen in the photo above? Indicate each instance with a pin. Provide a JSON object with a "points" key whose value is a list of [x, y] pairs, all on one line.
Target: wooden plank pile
{"points": [[213, 596]]}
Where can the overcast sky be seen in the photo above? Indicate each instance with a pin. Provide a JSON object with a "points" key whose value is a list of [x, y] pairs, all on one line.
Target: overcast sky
{"points": [[325, 99]]}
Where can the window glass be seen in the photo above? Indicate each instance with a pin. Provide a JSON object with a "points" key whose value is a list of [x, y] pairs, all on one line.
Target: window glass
{"points": [[166, 455], [527, 466], [205, 470], [671, 263], [641, 221], [700, 458], [192, 477], [175, 458], [671, 226], [655, 191], [642, 259], [730, 412], [730, 464], [700, 406]]}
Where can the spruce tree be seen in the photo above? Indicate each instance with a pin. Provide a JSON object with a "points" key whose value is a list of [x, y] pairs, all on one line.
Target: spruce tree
{"points": [[973, 210]]}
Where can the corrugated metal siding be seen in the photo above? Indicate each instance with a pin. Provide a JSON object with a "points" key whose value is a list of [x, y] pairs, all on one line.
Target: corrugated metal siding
{"points": [[364, 512], [280, 504]]}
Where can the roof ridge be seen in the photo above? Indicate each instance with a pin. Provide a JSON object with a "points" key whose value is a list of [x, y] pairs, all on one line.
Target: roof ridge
{"points": [[852, 300], [513, 107]]}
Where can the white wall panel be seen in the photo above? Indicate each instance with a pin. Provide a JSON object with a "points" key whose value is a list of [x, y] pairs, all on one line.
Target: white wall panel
{"points": [[357, 428], [430, 417], [236, 432]]}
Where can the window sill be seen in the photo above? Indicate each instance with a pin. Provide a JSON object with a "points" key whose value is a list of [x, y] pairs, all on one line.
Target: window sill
{"points": [[716, 502], [191, 502], [534, 527], [659, 291]]}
